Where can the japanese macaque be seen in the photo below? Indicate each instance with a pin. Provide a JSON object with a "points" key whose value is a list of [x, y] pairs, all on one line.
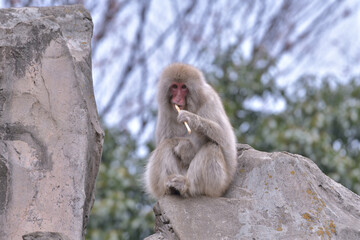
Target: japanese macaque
{"points": [[200, 162]]}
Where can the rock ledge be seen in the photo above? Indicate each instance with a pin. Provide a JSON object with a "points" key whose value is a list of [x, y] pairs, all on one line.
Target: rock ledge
{"points": [[274, 196]]}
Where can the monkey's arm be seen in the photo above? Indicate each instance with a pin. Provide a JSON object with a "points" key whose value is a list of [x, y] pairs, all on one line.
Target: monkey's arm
{"points": [[207, 127]]}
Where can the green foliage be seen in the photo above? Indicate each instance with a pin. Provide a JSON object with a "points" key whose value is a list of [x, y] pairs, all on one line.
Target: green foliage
{"points": [[320, 120], [122, 210]]}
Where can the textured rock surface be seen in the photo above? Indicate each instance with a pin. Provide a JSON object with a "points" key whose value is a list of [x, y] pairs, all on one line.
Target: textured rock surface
{"points": [[274, 196], [44, 236], [50, 136]]}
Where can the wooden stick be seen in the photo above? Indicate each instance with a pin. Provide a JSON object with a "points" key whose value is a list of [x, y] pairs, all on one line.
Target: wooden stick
{"points": [[185, 123]]}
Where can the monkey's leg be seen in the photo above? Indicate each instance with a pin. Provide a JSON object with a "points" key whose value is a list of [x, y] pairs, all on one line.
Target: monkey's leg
{"points": [[208, 174], [161, 168]]}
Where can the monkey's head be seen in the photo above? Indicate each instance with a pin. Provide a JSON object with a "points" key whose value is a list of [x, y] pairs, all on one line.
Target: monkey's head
{"points": [[183, 85]]}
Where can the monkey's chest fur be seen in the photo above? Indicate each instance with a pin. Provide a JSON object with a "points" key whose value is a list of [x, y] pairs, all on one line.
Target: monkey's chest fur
{"points": [[186, 146]]}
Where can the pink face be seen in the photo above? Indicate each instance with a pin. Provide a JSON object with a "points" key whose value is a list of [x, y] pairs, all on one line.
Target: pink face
{"points": [[178, 94]]}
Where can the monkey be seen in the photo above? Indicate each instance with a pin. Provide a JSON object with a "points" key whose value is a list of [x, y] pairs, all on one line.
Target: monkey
{"points": [[202, 162]]}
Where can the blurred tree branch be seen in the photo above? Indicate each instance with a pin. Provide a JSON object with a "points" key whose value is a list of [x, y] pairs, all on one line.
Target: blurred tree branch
{"points": [[134, 40]]}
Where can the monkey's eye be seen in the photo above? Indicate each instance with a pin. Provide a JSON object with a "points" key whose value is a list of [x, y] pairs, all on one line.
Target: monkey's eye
{"points": [[174, 86], [183, 86]]}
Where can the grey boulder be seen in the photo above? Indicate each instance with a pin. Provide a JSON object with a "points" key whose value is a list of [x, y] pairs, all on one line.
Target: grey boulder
{"points": [[273, 196], [50, 135]]}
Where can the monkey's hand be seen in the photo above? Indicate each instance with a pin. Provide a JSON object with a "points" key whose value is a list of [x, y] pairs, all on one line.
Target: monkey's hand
{"points": [[207, 127], [191, 118]]}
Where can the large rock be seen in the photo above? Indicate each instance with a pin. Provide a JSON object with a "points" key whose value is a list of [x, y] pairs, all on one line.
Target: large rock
{"points": [[274, 196], [50, 136]]}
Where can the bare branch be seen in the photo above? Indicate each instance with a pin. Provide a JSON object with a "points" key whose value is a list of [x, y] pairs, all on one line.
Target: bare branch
{"points": [[133, 40]]}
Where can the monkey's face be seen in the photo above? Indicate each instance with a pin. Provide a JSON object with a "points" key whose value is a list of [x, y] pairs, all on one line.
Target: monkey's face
{"points": [[178, 93]]}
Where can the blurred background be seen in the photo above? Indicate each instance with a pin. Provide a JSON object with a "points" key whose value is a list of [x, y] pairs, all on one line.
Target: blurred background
{"points": [[287, 72]]}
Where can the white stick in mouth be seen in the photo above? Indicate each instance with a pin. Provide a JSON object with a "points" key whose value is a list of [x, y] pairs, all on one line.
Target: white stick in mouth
{"points": [[185, 123]]}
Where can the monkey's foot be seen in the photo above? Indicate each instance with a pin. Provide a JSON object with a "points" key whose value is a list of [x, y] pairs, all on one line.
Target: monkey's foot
{"points": [[177, 185]]}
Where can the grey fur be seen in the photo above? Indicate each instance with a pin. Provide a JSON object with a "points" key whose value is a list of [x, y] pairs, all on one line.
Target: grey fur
{"points": [[202, 163]]}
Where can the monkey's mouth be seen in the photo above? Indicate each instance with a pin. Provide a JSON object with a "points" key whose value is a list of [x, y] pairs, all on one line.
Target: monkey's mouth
{"points": [[182, 107]]}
